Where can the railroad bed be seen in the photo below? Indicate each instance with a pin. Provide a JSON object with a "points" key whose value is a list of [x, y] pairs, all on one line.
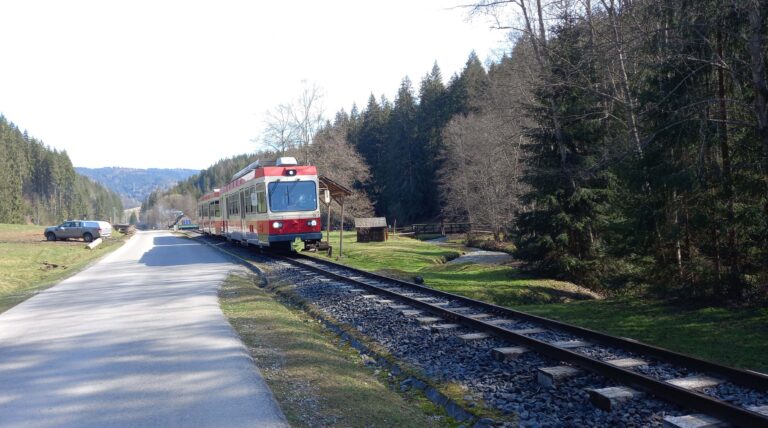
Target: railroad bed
{"points": [[546, 372]]}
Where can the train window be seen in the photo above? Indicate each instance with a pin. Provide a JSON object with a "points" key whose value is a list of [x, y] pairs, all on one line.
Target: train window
{"points": [[248, 200], [216, 209], [232, 208], [261, 202], [292, 196]]}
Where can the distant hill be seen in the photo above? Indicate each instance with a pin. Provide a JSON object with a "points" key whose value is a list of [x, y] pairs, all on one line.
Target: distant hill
{"points": [[134, 184], [40, 186]]}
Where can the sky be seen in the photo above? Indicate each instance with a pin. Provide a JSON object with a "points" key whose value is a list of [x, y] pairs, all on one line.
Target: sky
{"points": [[182, 84]]}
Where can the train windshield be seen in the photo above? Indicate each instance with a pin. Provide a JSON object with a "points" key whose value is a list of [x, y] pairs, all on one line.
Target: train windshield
{"points": [[292, 196]]}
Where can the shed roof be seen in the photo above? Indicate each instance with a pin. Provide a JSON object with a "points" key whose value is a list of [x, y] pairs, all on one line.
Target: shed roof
{"points": [[371, 222], [338, 192]]}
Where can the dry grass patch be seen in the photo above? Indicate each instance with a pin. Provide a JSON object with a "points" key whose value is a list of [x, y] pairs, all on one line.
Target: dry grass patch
{"points": [[316, 382], [29, 264]]}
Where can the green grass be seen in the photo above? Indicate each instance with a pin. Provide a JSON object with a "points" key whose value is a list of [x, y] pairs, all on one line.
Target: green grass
{"points": [[29, 264], [405, 258], [732, 336], [315, 382], [735, 337], [404, 254], [501, 285]]}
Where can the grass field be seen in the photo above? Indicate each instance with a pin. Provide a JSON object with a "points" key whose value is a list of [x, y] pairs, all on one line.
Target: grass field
{"points": [[29, 264], [315, 382], [732, 336], [735, 337], [405, 258]]}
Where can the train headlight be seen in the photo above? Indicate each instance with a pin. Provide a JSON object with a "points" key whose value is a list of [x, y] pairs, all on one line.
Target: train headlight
{"points": [[277, 225], [312, 223]]}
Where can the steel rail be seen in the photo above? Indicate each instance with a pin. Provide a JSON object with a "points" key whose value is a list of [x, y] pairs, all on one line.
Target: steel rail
{"points": [[686, 398]]}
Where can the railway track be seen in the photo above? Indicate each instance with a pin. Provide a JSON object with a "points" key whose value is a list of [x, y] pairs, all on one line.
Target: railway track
{"points": [[637, 369]]}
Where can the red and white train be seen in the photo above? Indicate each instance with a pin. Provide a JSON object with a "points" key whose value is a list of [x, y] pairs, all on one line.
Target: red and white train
{"points": [[265, 206]]}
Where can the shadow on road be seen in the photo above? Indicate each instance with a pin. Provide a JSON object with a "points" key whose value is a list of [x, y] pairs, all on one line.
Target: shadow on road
{"points": [[174, 251]]}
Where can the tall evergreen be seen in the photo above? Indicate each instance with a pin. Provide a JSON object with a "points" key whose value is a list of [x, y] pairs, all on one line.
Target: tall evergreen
{"points": [[563, 233], [403, 185], [41, 186], [433, 114]]}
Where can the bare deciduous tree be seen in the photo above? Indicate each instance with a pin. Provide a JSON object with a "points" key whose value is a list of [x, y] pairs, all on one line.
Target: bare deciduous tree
{"points": [[307, 115], [294, 125], [337, 159], [280, 131], [480, 179]]}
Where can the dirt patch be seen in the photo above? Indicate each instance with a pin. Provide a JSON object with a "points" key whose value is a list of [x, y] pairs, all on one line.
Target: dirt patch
{"points": [[51, 266], [483, 257]]}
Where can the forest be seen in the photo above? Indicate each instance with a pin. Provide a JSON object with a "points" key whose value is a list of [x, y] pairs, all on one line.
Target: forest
{"points": [[622, 145], [40, 185]]}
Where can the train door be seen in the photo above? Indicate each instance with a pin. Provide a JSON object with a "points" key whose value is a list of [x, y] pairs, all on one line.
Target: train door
{"points": [[225, 213], [243, 221]]}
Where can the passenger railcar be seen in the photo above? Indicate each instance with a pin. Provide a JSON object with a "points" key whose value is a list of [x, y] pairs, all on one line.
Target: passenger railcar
{"points": [[209, 216], [270, 205]]}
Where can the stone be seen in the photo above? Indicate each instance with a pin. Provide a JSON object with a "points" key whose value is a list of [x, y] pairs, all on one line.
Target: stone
{"points": [[526, 331], [499, 321], [763, 410], [474, 336], [443, 327], [411, 312], [608, 398], [510, 353], [627, 362], [549, 376], [571, 344], [427, 320], [479, 316], [399, 307], [695, 382], [693, 421]]}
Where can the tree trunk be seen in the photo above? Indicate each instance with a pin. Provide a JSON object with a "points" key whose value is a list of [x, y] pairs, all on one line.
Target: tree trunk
{"points": [[756, 47], [728, 187]]}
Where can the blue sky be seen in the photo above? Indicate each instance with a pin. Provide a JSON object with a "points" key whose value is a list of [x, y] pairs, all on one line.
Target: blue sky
{"points": [[184, 83]]}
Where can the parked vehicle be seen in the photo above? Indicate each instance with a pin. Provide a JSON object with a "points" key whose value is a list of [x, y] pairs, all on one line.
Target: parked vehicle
{"points": [[86, 229]]}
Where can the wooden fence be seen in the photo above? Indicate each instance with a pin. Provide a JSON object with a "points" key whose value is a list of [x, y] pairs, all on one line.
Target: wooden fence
{"points": [[450, 228]]}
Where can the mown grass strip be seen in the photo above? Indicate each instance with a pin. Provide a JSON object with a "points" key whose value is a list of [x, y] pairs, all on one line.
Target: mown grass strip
{"points": [[316, 382], [406, 258], [736, 337], [29, 264], [733, 336]]}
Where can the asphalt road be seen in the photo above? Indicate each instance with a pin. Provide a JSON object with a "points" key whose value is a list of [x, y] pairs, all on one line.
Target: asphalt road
{"points": [[136, 340]]}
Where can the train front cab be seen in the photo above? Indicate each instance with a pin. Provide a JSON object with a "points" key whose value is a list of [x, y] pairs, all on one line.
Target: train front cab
{"points": [[273, 206]]}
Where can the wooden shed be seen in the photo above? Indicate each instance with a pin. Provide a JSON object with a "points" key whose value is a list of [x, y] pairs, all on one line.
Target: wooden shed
{"points": [[371, 229]]}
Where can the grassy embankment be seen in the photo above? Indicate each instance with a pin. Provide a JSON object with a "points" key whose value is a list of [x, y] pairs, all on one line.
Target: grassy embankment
{"points": [[316, 382], [29, 264], [732, 336]]}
